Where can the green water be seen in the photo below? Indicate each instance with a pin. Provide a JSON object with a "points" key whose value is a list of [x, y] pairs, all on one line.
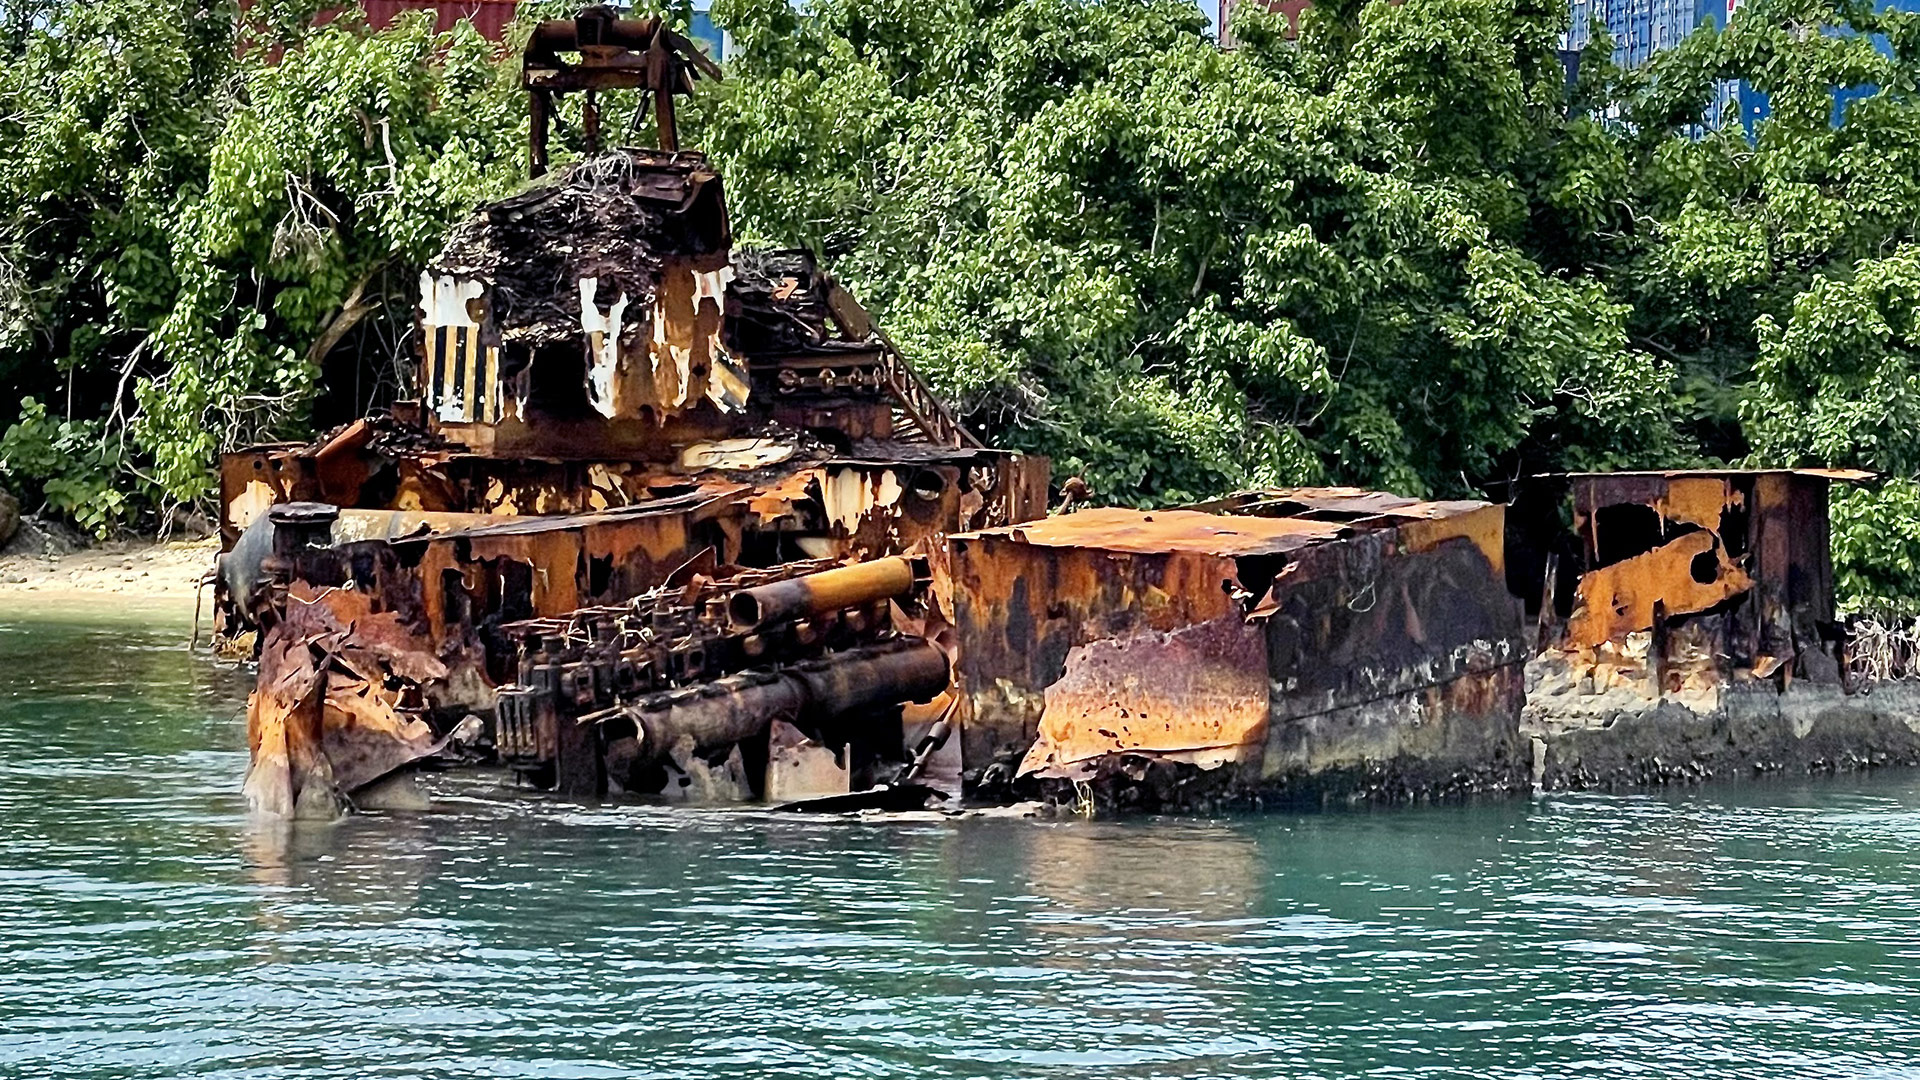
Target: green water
{"points": [[147, 931]]}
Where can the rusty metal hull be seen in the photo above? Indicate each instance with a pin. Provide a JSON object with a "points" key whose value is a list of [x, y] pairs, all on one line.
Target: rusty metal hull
{"points": [[1365, 649], [1686, 630]]}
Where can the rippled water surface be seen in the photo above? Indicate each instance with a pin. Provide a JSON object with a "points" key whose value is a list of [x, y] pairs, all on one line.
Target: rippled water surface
{"points": [[147, 931]]}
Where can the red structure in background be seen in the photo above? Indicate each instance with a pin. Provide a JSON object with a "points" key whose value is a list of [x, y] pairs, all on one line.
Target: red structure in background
{"points": [[490, 17], [1290, 8]]}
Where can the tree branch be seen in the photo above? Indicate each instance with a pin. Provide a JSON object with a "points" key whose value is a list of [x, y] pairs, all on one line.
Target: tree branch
{"points": [[354, 308]]}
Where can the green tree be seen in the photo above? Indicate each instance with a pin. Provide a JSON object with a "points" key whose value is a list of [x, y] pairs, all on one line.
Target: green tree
{"points": [[105, 109], [201, 211], [332, 179]]}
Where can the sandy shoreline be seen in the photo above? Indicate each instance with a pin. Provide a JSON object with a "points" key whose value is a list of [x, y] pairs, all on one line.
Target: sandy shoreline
{"points": [[145, 573]]}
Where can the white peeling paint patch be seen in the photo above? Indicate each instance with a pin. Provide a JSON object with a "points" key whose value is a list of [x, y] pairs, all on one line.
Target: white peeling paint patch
{"points": [[444, 302], [255, 500], [727, 386], [603, 340], [850, 493]]}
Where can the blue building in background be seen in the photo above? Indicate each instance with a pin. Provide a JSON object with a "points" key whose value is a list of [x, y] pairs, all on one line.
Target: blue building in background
{"points": [[1641, 28], [711, 39]]}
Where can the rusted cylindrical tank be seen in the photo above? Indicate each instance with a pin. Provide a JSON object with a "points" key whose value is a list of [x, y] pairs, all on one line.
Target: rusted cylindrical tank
{"points": [[828, 590], [739, 707]]}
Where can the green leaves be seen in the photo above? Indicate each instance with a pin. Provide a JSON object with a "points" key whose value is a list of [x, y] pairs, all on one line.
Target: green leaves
{"points": [[194, 206], [1179, 270], [74, 466], [1396, 250]]}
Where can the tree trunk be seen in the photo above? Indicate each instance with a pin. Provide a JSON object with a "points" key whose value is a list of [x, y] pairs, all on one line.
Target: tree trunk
{"points": [[354, 308]]}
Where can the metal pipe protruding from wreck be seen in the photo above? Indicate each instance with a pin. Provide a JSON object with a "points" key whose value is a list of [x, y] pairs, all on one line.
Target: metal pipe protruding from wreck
{"points": [[739, 707], [818, 593]]}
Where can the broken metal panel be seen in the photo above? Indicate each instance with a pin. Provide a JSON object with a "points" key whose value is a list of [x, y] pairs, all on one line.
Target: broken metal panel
{"points": [[1370, 617], [1088, 641], [1685, 580], [324, 722], [253, 481], [1197, 694], [572, 560], [800, 767], [1014, 610], [1688, 575]]}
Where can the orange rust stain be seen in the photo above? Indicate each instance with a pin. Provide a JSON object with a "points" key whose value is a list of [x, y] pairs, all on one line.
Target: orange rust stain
{"points": [[1486, 527], [1618, 599], [1698, 500], [1196, 690], [1159, 531], [783, 499]]}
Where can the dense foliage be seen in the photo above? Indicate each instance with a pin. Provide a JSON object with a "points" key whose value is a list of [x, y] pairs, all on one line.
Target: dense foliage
{"points": [[1397, 250]]}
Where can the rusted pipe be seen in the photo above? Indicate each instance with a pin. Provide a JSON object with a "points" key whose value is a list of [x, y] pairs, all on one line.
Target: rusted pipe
{"points": [[717, 714], [739, 707], [862, 679], [554, 36], [816, 594]]}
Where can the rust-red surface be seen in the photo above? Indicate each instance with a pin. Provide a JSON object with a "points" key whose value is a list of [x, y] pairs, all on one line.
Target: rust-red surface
{"points": [[1167, 531], [1197, 694]]}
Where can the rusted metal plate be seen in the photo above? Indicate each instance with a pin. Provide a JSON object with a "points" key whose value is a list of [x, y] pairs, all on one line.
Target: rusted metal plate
{"points": [[1012, 611], [1737, 559], [1369, 618], [1196, 694], [1616, 599], [1478, 523], [1160, 531], [1697, 500], [1183, 635], [322, 722]]}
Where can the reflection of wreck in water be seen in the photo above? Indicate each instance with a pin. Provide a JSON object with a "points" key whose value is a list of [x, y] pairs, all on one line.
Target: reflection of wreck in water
{"points": [[675, 518]]}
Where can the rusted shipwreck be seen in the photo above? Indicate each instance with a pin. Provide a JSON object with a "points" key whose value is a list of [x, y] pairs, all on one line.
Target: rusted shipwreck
{"points": [[1684, 627], [674, 519], [613, 400]]}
